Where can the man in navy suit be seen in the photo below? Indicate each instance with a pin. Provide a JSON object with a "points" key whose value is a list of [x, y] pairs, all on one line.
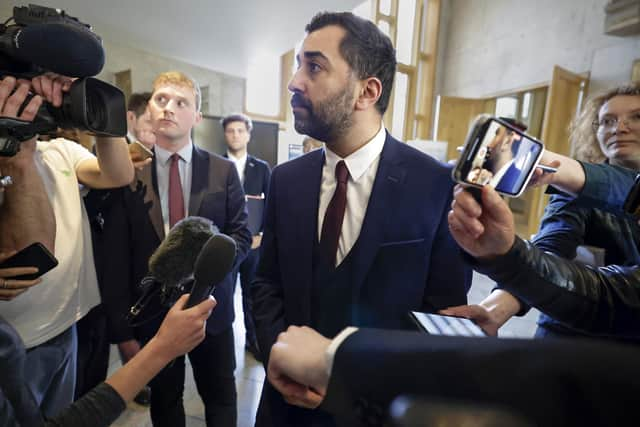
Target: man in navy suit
{"points": [[254, 175], [355, 233], [184, 180]]}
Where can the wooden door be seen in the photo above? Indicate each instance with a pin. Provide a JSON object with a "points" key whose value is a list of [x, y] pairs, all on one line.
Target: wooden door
{"points": [[455, 116], [562, 103]]}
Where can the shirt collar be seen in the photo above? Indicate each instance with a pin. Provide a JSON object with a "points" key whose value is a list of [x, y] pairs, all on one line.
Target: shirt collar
{"points": [[235, 159], [359, 161], [185, 153]]}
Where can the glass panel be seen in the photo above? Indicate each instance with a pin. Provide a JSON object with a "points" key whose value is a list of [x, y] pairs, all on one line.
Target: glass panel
{"points": [[384, 7], [404, 42], [263, 86], [399, 105], [506, 106], [526, 105], [384, 27], [363, 10]]}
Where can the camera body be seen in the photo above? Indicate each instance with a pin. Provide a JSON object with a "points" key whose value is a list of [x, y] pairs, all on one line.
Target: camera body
{"points": [[90, 105]]}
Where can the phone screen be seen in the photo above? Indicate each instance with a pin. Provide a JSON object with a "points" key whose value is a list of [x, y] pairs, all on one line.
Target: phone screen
{"points": [[499, 155]]}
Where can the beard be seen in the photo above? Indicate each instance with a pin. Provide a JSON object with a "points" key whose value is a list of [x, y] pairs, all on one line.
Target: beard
{"points": [[328, 119]]}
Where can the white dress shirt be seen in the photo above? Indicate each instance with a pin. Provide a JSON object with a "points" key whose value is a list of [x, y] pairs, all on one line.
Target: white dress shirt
{"points": [[241, 164], [163, 166], [362, 165]]}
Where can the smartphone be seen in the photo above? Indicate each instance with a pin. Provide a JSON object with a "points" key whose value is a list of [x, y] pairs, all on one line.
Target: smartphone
{"points": [[34, 255], [138, 148], [438, 324], [496, 153]]}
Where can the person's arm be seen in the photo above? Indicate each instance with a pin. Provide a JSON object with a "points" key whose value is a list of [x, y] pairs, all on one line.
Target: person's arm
{"points": [[491, 313], [112, 167], [26, 215], [180, 331], [266, 288], [605, 301]]}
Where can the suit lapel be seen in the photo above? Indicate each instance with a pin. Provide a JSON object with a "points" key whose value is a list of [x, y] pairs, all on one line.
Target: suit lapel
{"points": [[387, 185], [199, 178], [149, 179], [249, 175]]}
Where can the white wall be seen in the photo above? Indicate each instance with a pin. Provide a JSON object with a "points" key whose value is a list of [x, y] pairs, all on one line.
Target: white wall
{"points": [[489, 46], [226, 93]]}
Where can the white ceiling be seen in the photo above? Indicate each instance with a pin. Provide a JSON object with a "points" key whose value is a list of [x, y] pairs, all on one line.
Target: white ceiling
{"points": [[221, 35]]}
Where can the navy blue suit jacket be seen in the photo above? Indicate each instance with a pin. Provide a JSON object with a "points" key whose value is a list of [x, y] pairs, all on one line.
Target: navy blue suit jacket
{"points": [[216, 194], [406, 261]]}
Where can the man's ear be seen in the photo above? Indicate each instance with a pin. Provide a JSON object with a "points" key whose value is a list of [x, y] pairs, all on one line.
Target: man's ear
{"points": [[198, 117], [131, 116], [370, 92]]}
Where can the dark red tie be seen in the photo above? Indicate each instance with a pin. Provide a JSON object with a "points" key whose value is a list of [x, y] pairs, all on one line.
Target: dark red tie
{"points": [[333, 217], [176, 198]]}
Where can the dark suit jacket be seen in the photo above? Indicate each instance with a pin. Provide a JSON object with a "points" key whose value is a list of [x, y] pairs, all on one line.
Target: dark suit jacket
{"points": [[256, 183], [407, 259], [550, 382], [216, 194]]}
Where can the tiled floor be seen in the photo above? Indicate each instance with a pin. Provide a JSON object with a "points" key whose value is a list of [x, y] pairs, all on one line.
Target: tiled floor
{"points": [[250, 374]]}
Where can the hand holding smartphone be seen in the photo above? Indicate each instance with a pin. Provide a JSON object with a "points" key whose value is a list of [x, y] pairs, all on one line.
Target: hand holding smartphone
{"points": [[498, 154], [34, 255], [139, 152]]}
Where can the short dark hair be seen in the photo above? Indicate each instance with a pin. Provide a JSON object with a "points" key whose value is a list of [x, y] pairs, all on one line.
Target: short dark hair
{"points": [[237, 117], [367, 50], [138, 102]]}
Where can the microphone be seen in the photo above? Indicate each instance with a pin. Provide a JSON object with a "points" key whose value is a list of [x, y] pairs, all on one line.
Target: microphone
{"points": [[173, 261], [213, 264], [62, 48]]}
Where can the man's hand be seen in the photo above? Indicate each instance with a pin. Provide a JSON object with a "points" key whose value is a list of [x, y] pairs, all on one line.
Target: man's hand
{"points": [[11, 288], [298, 366], [483, 231], [256, 241], [11, 101], [51, 86], [183, 329]]}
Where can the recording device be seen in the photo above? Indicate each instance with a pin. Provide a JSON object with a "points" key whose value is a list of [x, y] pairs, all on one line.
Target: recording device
{"points": [[186, 256], [496, 153], [213, 264], [44, 39], [438, 324], [34, 255], [138, 148]]}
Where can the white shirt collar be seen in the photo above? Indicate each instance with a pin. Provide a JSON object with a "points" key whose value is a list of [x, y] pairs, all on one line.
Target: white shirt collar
{"points": [[185, 153], [359, 161], [235, 159]]}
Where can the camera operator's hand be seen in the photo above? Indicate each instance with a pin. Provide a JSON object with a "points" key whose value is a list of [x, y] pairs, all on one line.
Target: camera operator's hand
{"points": [[13, 93], [11, 288], [51, 86]]}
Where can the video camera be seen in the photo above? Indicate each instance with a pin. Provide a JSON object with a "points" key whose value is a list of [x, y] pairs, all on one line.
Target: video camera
{"points": [[43, 39]]}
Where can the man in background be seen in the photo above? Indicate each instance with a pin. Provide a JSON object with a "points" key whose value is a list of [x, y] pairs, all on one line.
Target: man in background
{"points": [[184, 180], [138, 120], [254, 175]]}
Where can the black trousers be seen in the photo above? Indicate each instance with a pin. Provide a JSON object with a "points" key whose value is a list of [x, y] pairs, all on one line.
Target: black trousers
{"points": [[247, 271], [93, 351], [213, 363]]}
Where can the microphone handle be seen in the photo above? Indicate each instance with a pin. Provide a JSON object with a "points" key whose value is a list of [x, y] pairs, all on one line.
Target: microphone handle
{"points": [[199, 292]]}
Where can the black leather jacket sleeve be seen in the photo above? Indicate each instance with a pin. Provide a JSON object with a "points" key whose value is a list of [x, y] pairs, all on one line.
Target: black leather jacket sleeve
{"points": [[603, 301]]}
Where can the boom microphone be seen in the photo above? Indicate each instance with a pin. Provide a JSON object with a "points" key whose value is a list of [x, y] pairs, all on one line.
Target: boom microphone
{"points": [[174, 260], [62, 48], [213, 264]]}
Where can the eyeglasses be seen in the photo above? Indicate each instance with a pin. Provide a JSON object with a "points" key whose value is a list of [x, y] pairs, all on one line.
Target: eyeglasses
{"points": [[608, 123]]}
